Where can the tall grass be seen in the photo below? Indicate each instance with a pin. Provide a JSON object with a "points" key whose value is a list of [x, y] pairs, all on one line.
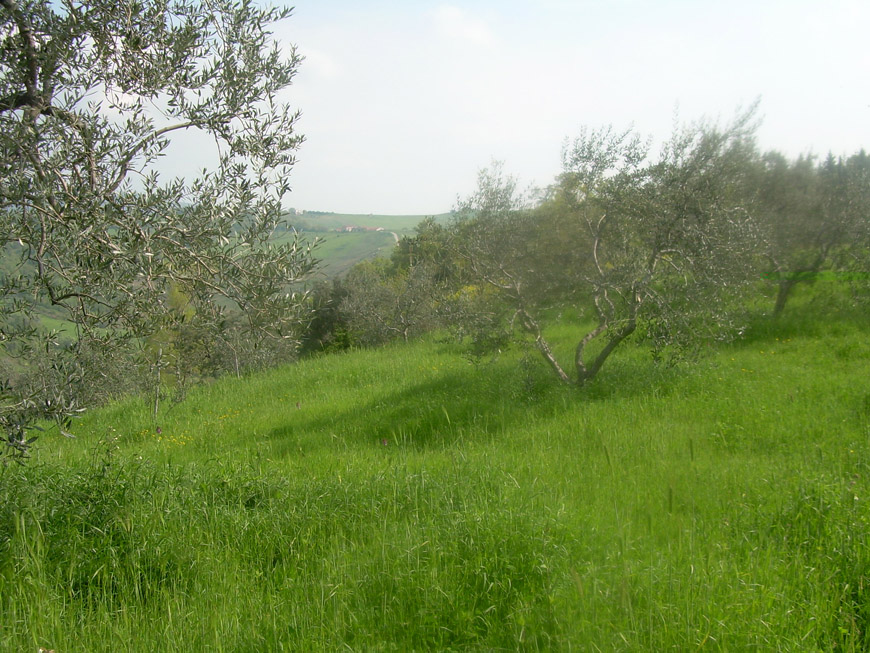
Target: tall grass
{"points": [[403, 499]]}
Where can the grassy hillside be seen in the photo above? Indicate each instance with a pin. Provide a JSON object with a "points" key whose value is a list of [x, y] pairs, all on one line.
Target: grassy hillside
{"points": [[339, 251], [404, 499]]}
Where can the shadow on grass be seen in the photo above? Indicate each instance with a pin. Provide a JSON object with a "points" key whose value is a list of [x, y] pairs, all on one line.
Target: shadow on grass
{"points": [[478, 406], [429, 414], [820, 310]]}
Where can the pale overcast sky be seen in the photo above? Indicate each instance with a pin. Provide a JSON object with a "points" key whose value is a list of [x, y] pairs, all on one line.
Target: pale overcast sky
{"points": [[404, 101]]}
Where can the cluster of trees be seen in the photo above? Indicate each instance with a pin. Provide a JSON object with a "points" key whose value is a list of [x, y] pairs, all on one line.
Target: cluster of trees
{"points": [[385, 299], [167, 279], [665, 247]]}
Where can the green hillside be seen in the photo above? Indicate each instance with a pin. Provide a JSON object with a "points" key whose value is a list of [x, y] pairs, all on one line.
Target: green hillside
{"points": [[324, 221], [338, 252], [346, 239], [404, 499]]}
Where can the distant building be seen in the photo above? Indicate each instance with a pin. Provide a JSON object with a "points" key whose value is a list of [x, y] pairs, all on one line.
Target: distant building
{"points": [[355, 228]]}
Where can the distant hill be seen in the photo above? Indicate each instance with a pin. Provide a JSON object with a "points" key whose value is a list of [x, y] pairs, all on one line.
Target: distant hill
{"points": [[320, 221], [339, 252], [348, 238]]}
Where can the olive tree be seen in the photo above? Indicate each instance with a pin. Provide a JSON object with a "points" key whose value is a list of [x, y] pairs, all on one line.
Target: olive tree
{"points": [[92, 94], [855, 259], [623, 240], [813, 218]]}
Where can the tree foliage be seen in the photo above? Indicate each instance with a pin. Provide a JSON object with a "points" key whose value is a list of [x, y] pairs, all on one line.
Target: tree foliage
{"points": [[383, 304], [92, 93]]}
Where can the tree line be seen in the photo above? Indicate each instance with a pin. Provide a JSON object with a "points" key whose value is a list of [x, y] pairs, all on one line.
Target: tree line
{"points": [[667, 246]]}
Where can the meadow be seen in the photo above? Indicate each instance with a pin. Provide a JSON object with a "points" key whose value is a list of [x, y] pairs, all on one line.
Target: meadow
{"points": [[406, 498]]}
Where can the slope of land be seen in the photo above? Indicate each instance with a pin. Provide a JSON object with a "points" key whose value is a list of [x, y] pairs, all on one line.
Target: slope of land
{"points": [[404, 499], [338, 252], [347, 239]]}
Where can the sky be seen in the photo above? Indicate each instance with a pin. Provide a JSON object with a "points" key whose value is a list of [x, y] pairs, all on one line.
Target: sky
{"points": [[404, 101]]}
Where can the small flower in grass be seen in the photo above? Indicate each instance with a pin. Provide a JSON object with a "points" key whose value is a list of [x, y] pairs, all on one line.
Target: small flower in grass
{"points": [[159, 430], [384, 442]]}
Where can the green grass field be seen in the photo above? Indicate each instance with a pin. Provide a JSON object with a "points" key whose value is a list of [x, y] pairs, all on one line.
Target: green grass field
{"points": [[404, 499]]}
